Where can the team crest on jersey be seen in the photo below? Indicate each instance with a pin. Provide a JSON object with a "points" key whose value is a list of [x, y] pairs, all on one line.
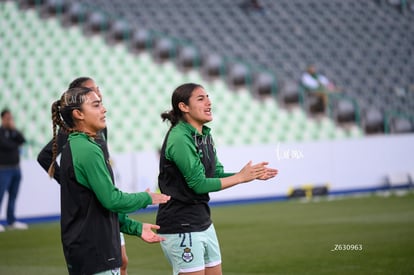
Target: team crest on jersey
{"points": [[187, 255]]}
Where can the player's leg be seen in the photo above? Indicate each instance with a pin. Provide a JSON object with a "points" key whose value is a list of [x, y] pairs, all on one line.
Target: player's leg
{"points": [[215, 270], [124, 261], [185, 252], [211, 250], [124, 256], [201, 272], [212, 254]]}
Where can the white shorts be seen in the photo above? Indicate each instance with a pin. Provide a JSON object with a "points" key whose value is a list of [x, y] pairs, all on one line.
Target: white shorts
{"points": [[122, 239], [193, 251]]}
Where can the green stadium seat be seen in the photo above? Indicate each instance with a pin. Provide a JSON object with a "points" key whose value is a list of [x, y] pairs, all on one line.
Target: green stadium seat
{"points": [[136, 89]]}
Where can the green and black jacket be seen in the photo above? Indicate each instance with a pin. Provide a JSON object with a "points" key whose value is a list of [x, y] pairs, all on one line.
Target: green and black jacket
{"points": [[128, 226], [189, 170], [90, 204]]}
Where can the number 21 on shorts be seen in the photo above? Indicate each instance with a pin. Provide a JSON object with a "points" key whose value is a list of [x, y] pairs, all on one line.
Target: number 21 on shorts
{"points": [[186, 240]]}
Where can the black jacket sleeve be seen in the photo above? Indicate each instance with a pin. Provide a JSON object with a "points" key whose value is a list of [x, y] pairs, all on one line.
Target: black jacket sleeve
{"points": [[13, 142], [10, 141], [19, 138], [45, 156]]}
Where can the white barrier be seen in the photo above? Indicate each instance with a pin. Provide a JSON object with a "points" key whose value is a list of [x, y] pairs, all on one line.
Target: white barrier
{"points": [[344, 164]]}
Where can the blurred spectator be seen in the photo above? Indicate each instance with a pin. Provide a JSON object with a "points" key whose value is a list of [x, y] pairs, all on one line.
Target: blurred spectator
{"points": [[317, 84], [10, 174], [252, 6]]}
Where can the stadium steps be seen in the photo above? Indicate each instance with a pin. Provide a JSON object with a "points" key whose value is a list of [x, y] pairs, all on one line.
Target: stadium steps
{"points": [[42, 57], [364, 47]]}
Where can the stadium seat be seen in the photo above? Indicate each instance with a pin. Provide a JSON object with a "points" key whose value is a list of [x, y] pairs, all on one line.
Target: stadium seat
{"points": [[96, 22], [212, 65], [238, 75], [313, 104], [164, 49], [141, 40], [31, 3], [372, 121], [76, 13], [400, 125], [289, 92], [55, 7], [119, 31], [264, 84], [188, 57], [344, 110]]}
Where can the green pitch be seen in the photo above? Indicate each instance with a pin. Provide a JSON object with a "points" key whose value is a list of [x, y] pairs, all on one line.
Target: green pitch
{"points": [[365, 235]]}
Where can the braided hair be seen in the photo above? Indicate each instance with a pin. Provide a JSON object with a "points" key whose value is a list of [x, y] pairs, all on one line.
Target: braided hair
{"points": [[61, 110]]}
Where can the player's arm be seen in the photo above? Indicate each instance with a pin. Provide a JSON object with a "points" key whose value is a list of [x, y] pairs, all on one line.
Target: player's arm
{"points": [[129, 226], [219, 173], [91, 171], [248, 173], [136, 228], [183, 153], [259, 171], [44, 158]]}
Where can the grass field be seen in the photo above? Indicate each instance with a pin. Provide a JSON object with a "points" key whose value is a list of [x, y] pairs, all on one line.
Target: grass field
{"points": [[372, 235]]}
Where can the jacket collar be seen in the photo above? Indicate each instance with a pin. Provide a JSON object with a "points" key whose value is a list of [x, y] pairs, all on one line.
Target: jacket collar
{"points": [[205, 130]]}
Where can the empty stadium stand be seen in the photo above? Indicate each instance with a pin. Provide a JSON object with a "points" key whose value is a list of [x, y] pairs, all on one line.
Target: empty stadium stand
{"points": [[138, 51], [365, 47]]}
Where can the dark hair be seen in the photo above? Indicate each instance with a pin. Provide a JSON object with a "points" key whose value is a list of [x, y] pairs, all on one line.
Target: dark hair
{"points": [[4, 112], [181, 94], [78, 82], [62, 109]]}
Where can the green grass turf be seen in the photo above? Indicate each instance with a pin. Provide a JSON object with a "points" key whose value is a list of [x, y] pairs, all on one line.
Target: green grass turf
{"points": [[293, 237]]}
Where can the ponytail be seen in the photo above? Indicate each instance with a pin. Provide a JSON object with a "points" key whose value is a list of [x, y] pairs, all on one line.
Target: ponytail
{"points": [[181, 94], [171, 117], [56, 121]]}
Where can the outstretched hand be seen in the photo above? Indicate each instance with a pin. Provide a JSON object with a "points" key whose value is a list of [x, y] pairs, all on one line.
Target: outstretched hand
{"points": [[268, 174], [257, 171], [158, 198], [148, 235]]}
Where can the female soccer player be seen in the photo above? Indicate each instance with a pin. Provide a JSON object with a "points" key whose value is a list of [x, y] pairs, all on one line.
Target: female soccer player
{"points": [[90, 202], [45, 157], [189, 170]]}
